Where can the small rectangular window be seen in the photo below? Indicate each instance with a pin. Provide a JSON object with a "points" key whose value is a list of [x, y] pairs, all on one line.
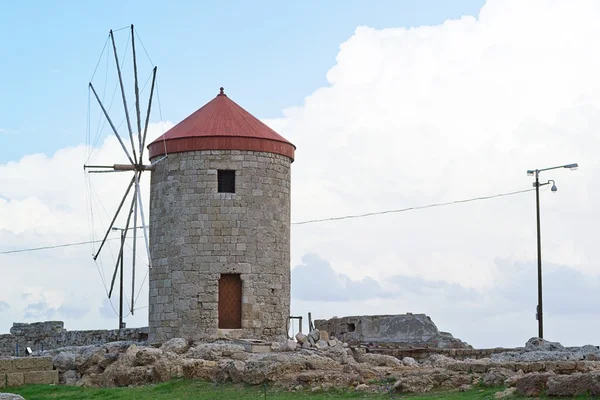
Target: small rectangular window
{"points": [[226, 181]]}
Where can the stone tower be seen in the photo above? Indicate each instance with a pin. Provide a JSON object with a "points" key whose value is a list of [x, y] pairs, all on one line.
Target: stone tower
{"points": [[220, 227]]}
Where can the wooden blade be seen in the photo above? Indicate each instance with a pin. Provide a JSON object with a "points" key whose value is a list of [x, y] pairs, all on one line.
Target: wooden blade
{"points": [[137, 95], [123, 95], [111, 124], [115, 217], [148, 113]]}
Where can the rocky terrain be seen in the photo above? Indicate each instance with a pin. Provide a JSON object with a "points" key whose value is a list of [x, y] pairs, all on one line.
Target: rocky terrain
{"points": [[319, 362]]}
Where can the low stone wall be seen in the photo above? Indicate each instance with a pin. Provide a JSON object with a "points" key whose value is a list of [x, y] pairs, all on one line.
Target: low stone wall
{"points": [[425, 353], [27, 371], [52, 334], [407, 330]]}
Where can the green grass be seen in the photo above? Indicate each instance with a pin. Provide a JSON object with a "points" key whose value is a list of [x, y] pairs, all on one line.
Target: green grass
{"points": [[201, 390]]}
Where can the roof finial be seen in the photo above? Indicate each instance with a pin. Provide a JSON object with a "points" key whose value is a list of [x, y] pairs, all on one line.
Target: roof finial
{"points": [[222, 91]]}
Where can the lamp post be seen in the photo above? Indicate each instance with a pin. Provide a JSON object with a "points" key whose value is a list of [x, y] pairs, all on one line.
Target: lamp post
{"points": [[536, 184], [123, 232]]}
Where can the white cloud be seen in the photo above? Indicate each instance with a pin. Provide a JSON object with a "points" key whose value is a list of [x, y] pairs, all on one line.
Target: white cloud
{"points": [[410, 117]]}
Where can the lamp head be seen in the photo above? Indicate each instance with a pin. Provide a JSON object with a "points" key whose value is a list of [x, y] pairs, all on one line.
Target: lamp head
{"points": [[572, 167], [530, 172]]}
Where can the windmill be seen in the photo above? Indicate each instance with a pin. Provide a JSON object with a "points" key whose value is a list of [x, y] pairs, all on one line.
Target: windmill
{"points": [[131, 205]]}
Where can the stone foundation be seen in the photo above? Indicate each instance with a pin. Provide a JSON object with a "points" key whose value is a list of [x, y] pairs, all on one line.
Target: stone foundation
{"points": [[52, 334]]}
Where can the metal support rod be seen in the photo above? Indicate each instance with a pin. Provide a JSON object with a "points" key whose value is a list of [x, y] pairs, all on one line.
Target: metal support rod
{"points": [[540, 311], [111, 124], [112, 37], [121, 285], [141, 205], [114, 218]]}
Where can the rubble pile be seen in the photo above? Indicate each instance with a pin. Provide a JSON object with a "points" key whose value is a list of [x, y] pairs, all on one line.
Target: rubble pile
{"points": [[318, 362], [317, 339]]}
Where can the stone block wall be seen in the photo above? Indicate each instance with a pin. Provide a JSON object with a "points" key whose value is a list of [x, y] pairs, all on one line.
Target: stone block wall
{"points": [[51, 335], [27, 371], [197, 234]]}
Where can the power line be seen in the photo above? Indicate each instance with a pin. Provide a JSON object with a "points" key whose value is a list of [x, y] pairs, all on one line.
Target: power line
{"points": [[410, 208], [309, 221], [54, 247]]}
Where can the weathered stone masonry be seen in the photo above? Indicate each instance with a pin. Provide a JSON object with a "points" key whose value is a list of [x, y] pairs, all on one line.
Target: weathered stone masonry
{"points": [[197, 234], [51, 335]]}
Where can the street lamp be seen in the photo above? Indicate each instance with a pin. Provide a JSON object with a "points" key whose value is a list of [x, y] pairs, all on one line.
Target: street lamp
{"points": [[536, 184]]}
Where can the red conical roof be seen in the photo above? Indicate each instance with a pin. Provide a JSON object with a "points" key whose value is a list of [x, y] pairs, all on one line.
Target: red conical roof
{"points": [[221, 124]]}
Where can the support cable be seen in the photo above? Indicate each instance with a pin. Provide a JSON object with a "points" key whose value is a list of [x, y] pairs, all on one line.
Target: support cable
{"points": [[314, 220]]}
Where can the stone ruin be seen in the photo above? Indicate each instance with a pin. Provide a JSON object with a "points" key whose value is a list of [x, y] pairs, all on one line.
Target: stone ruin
{"points": [[48, 335], [404, 330]]}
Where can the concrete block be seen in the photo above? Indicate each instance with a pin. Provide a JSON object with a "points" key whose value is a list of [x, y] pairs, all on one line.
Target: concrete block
{"points": [[14, 379], [40, 377], [6, 365], [32, 364]]}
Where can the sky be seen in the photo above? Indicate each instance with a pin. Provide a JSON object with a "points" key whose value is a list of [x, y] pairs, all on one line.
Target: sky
{"points": [[390, 104]]}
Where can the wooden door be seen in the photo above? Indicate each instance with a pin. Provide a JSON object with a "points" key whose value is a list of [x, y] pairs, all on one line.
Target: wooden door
{"points": [[230, 301]]}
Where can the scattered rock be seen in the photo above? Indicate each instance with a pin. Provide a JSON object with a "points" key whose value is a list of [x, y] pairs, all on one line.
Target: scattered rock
{"points": [[214, 351], [532, 384], [362, 387], [291, 345], [147, 356], [413, 384], [497, 376], [236, 371], [176, 345], [10, 396], [64, 361], [440, 361], [377, 360], [409, 362], [509, 392], [301, 337], [512, 380], [538, 344], [315, 335], [465, 388], [574, 385]]}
